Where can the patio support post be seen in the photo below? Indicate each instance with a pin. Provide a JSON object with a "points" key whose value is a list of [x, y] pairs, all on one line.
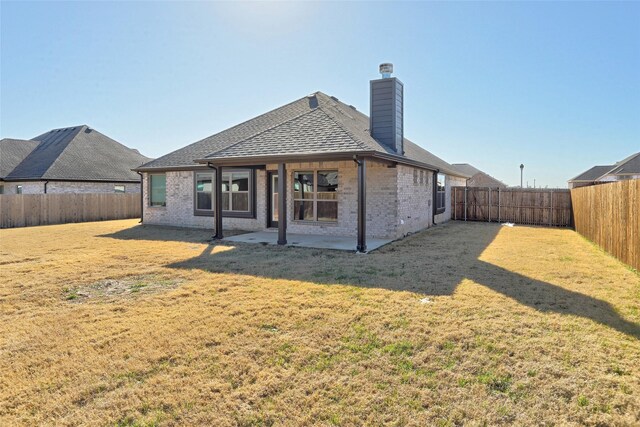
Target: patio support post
{"points": [[218, 202], [362, 206], [282, 205]]}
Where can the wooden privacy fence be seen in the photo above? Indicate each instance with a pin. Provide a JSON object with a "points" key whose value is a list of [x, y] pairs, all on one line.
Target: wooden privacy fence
{"points": [[23, 210], [609, 215], [551, 207]]}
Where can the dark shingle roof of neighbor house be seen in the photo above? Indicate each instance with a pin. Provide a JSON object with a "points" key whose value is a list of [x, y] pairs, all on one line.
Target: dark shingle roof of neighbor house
{"points": [[12, 152], [630, 165], [592, 174], [314, 124], [78, 153]]}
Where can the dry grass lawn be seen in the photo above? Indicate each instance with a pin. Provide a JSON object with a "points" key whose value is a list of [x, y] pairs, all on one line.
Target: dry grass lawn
{"points": [[112, 323]]}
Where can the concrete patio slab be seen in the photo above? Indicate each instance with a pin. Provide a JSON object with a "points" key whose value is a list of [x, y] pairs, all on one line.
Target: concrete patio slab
{"points": [[307, 240]]}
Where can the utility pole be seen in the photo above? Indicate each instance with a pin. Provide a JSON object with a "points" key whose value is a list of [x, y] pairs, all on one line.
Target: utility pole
{"points": [[521, 169], [534, 183]]}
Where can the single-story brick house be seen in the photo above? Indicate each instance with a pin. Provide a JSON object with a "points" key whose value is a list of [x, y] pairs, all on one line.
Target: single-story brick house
{"points": [[313, 166], [76, 159], [628, 168]]}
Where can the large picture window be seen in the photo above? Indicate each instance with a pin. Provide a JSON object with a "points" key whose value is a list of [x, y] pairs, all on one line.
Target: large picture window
{"points": [[237, 192], [440, 193], [157, 190], [315, 196]]}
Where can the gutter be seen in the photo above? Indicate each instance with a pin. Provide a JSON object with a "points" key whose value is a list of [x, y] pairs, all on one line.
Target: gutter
{"points": [[45, 186]]}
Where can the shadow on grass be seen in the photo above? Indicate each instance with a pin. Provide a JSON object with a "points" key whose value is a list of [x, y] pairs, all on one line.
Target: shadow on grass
{"points": [[433, 262]]}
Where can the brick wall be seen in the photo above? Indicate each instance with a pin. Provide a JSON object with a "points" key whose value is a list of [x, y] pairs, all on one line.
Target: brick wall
{"points": [[56, 187], [381, 202], [415, 200]]}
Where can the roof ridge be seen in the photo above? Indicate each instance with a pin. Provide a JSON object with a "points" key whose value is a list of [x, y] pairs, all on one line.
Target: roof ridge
{"points": [[262, 131]]}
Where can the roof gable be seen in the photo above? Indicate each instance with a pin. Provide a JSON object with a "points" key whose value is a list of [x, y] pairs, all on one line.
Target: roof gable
{"points": [[628, 166]]}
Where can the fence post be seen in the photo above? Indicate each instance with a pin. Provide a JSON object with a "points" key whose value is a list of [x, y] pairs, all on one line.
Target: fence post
{"points": [[551, 210], [455, 206], [489, 220], [465, 203]]}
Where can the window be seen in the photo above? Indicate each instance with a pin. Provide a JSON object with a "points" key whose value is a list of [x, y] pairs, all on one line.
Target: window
{"points": [[440, 193], [119, 189], [157, 190], [315, 196], [235, 191], [1, 189], [204, 191], [18, 189]]}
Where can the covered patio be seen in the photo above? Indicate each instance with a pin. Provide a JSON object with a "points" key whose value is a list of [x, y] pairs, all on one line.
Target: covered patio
{"points": [[342, 243]]}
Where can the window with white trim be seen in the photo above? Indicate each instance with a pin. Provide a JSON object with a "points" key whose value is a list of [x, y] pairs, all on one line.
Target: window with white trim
{"points": [[118, 188], [18, 189], [315, 196]]}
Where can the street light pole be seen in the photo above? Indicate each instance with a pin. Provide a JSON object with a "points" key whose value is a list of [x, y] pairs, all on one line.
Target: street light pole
{"points": [[521, 169]]}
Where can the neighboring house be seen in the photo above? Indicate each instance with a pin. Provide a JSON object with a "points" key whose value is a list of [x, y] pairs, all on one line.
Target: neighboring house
{"points": [[628, 168], [478, 178], [314, 166], [70, 160]]}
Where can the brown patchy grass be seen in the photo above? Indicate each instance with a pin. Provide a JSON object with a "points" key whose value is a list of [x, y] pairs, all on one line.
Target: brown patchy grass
{"points": [[525, 325]]}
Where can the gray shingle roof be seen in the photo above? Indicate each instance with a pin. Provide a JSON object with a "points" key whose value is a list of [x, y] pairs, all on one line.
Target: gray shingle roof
{"points": [[592, 174], [630, 165], [314, 124], [12, 152], [78, 153]]}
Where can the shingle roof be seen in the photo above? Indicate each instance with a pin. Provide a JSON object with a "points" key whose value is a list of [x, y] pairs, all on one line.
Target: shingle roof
{"points": [[630, 165], [592, 174], [12, 152], [478, 177], [317, 123], [78, 153]]}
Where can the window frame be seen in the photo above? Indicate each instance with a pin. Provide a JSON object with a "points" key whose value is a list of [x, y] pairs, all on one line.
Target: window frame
{"points": [[1, 188], [251, 213], [441, 195], [19, 189], [124, 188], [315, 200], [150, 192]]}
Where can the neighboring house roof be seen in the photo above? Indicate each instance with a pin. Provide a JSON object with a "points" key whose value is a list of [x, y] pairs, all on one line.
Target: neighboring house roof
{"points": [[314, 124], [12, 152], [628, 166], [592, 174], [478, 177], [78, 153]]}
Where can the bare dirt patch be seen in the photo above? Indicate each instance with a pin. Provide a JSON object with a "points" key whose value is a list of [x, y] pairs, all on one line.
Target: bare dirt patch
{"points": [[127, 287]]}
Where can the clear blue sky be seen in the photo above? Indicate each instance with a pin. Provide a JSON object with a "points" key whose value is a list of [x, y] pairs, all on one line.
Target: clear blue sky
{"points": [[553, 85]]}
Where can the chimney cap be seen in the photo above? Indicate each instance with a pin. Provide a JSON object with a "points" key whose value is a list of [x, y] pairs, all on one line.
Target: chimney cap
{"points": [[386, 69]]}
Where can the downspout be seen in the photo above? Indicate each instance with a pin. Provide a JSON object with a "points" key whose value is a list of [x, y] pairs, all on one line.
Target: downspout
{"points": [[45, 186], [435, 196], [141, 197]]}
